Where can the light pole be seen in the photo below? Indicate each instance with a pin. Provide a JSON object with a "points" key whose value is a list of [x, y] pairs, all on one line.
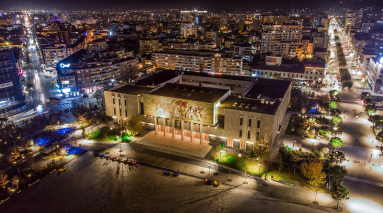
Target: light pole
{"points": [[259, 169]]}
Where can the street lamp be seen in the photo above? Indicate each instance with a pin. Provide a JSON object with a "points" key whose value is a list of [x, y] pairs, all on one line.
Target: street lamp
{"points": [[259, 169]]}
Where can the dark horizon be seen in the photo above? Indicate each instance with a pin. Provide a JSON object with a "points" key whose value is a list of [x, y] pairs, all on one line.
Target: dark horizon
{"points": [[245, 5]]}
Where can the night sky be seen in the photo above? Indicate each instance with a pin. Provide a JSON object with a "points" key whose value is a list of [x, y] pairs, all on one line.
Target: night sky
{"points": [[177, 4]]}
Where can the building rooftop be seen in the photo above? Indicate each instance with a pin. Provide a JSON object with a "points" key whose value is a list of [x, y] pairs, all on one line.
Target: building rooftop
{"points": [[268, 89], [251, 105], [219, 75], [131, 89], [188, 92], [157, 78]]}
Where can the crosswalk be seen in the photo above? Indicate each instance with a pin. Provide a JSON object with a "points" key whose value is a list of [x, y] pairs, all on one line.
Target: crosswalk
{"points": [[123, 146]]}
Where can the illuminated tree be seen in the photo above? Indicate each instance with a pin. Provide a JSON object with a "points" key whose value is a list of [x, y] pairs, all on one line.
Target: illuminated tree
{"points": [[334, 104], [134, 125], [338, 193], [3, 181], [336, 142], [336, 120], [16, 180], [261, 149], [312, 170]]}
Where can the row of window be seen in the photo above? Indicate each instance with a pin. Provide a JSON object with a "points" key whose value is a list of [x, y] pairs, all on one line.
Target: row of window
{"points": [[249, 135], [249, 122]]}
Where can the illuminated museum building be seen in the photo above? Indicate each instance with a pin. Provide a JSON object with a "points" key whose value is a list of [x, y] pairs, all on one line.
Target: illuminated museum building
{"points": [[234, 110]]}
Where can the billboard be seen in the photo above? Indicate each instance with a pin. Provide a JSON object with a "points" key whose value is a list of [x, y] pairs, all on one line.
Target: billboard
{"points": [[179, 109]]}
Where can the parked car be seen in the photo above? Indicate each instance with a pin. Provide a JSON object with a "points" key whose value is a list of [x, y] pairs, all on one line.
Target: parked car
{"points": [[216, 183], [117, 159], [123, 160], [132, 162], [62, 169], [106, 156], [111, 157]]}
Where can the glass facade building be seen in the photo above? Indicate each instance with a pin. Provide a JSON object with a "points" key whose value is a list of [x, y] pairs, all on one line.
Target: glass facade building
{"points": [[11, 96]]}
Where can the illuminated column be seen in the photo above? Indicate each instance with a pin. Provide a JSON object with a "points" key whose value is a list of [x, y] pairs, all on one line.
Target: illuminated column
{"points": [[200, 133], [164, 121], [230, 142], [182, 129], [191, 131], [173, 127], [243, 144], [155, 124]]}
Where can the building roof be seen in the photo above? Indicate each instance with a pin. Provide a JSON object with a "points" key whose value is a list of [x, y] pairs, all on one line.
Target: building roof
{"points": [[291, 68], [131, 89], [188, 92], [219, 75], [268, 89], [318, 49], [157, 78], [362, 36], [251, 105]]}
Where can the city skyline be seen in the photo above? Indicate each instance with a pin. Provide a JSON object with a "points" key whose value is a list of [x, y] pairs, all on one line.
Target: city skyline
{"points": [[244, 5]]}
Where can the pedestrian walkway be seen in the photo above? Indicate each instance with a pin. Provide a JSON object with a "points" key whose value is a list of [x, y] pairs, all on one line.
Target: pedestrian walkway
{"points": [[279, 138], [124, 146]]}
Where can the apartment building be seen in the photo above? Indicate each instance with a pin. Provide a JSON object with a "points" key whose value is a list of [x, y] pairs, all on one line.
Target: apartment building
{"points": [[205, 61], [188, 30], [79, 74], [148, 45], [53, 54], [274, 35], [374, 74]]}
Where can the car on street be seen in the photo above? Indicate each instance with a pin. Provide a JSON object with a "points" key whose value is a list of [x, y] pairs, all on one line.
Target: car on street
{"points": [[111, 157], [365, 94], [116, 159], [106, 156], [123, 160]]}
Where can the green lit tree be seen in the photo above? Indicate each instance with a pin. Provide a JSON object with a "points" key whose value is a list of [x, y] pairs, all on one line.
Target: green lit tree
{"points": [[338, 193], [336, 142], [337, 120], [334, 104]]}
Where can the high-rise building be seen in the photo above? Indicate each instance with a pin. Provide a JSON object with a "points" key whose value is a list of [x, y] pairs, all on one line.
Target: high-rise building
{"points": [[353, 19], [274, 35], [148, 45], [11, 97]]}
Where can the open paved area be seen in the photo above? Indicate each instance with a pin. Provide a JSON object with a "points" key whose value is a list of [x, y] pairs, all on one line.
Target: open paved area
{"points": [[187, 147], [95, 185]]}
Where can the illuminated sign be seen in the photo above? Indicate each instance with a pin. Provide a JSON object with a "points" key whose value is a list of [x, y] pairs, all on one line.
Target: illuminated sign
{"points": [[381, 60], [66, 90], [62, 65], [9, 84]]}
